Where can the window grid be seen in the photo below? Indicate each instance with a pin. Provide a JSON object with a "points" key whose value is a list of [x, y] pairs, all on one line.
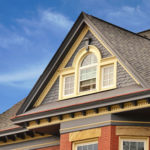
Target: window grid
{"points": [[68, 85], [107, 76]]}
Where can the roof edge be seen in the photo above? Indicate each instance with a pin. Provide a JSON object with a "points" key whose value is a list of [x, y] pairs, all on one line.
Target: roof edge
{"points": [[39, 85]]}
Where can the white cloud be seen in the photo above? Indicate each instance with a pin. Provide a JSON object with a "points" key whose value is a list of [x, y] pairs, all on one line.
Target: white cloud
{"points": [[128, 17], [45, 20], [22, 78], [48, 16]]}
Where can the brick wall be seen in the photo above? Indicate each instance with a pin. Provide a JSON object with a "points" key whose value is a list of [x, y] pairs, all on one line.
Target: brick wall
{"points": [[108, 139], [50, 148], [64, 142]]}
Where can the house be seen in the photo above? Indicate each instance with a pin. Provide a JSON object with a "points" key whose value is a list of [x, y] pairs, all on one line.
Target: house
{"points": [[93, 95]]}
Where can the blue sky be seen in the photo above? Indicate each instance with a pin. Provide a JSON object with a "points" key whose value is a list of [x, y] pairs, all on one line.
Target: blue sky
{"points": [[32, 30]]}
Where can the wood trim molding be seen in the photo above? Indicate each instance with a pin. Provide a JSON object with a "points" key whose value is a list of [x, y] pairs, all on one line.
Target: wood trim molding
{"points": [[85, 134], [132, 131]]}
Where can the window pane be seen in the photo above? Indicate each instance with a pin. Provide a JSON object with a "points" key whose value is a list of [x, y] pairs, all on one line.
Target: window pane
{"points": [[108, 76], [87, 146], [69, 85], [126, 146], [140, 145], [79, 148], [88, 60], [133, 145]]}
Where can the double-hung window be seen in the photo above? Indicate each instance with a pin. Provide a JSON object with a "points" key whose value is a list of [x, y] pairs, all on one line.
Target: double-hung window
{"points": [[108, 76], [88, 73], [68, 85]]}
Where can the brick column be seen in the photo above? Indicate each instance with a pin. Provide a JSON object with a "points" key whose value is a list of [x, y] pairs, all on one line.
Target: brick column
{"points": [[108, 139], [64, 142]]}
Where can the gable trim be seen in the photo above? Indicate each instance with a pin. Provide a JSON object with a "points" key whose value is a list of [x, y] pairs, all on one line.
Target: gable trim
{"points": [[65, 61]]}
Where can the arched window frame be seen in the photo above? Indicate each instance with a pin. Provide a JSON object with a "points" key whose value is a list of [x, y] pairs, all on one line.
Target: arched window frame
{"points": [[75, 70]]}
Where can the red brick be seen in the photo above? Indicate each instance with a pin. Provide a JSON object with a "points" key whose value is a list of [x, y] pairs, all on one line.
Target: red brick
{"points": [[64, 142], [108, 139]]}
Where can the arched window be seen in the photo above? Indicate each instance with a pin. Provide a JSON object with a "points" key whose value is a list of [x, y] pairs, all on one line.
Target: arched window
{"points": [[88, 72]]}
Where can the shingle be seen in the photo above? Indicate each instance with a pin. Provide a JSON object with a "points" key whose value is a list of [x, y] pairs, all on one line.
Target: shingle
{"points": [[5, 122], [132, 47]]}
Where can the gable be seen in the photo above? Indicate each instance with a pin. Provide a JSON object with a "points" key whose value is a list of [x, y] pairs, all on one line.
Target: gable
{"points": [[66, 54], [123, 78]]}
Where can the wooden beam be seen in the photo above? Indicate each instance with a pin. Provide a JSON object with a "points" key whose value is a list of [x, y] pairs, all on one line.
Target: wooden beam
{"points": [[38, 121], [109, 108], [72, 115], [96, 110], [30, 133], [134, 103], [84, 113], [4, 139], [148, 100], [121, 105], [12, 137], [21, 135], [49, 119], [60, 117]]}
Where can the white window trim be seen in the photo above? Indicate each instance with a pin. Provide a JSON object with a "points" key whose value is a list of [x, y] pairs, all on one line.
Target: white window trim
{"points": [[64, 85], [102, 76]]}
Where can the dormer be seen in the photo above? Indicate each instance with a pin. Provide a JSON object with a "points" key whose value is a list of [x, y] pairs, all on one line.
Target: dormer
{"points": [[89, 73]]}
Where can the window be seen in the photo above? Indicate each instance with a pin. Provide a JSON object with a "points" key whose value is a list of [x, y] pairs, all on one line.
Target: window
{"points": [[88, 72], [108, 76], [133, 144], [68, 85], [87, 146]]}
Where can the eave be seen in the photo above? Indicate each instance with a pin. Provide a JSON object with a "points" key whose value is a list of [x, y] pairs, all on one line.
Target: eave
{"points": [[107, 103]]}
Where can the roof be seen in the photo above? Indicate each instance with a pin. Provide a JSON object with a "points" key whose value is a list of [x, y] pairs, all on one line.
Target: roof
{"points": [[145, 33], [5, 122], [130, 48], [133, 50]]}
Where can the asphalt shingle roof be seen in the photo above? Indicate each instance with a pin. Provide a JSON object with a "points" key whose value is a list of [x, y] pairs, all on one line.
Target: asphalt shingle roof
{"points": [[134, 48], [5, 122]]}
